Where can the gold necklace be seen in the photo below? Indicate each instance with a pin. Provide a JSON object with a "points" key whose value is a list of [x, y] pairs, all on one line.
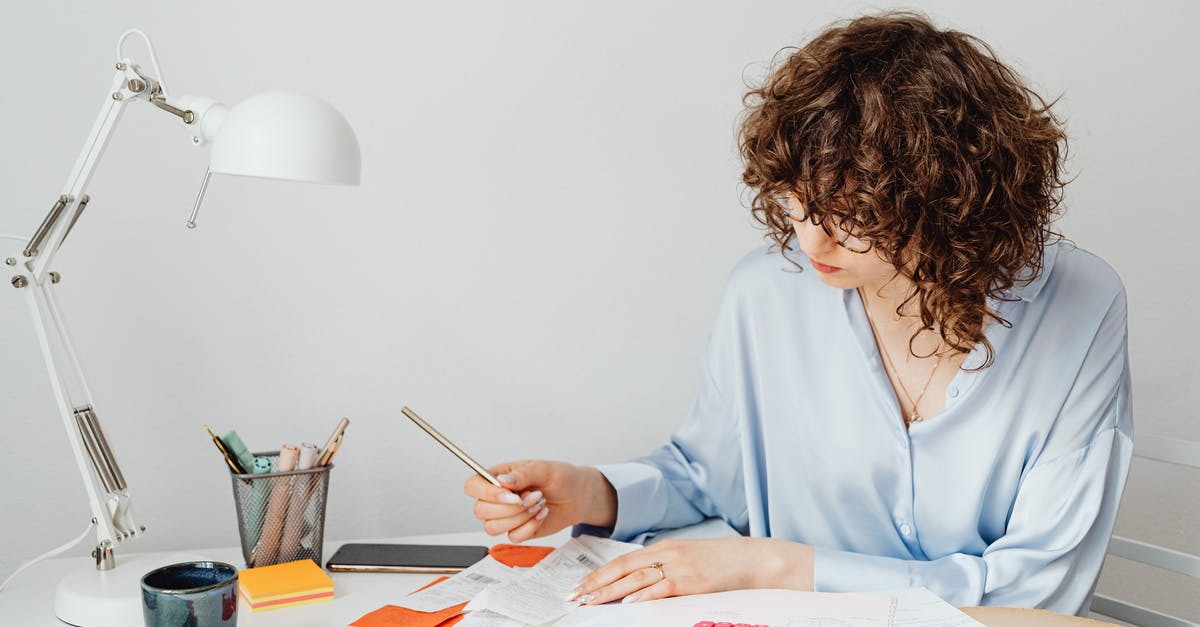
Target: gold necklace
{"points": [[915, 416]]}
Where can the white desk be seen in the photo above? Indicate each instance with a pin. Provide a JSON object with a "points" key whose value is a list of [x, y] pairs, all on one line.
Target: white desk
{"points": [[29, 600]]}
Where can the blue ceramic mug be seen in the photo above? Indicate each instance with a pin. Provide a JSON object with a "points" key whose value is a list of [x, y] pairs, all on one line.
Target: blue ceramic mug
{"points": [[191, 594]]}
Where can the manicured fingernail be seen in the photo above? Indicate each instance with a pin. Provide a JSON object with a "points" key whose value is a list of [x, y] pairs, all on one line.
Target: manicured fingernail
{"points": [[587, 598], [509, 497], [542, 514], [533, 497], [506, 479], [574, 593], [536, 506], [631, 598]]}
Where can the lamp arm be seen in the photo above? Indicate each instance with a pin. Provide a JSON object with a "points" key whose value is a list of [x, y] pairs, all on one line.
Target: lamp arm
{"points": [[109, 499], [128, 84], [108, 495]]}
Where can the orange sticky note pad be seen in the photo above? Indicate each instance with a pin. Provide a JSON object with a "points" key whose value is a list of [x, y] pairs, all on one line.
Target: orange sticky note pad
{"points": [[396, 616], [519, 555], [514, 555], [284, 585]]}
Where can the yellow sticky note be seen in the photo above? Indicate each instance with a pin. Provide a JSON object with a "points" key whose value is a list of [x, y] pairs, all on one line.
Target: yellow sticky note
{"points": [[284, 585]]}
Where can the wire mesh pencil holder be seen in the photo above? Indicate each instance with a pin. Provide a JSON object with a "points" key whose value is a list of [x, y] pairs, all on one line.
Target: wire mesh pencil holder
{"points": [[281, 515]]}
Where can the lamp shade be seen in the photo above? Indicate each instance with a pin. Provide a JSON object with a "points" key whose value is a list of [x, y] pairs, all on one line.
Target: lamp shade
{"points": [[286, 135]]}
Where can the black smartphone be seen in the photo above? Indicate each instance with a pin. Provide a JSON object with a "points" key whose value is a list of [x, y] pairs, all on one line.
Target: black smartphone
{"points": [[357, 557]]}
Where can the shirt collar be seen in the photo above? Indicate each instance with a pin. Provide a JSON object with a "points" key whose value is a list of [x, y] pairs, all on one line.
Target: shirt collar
{"points": [[1027, 289]]}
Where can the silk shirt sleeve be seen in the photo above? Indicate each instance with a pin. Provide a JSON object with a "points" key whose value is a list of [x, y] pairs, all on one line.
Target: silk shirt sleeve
{"points": [[694, 477], [698, 474], [1061, 520]]}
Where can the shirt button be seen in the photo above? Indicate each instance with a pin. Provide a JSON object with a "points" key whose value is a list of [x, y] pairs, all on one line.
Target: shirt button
{"points": [[905, 529], [953, 391]]}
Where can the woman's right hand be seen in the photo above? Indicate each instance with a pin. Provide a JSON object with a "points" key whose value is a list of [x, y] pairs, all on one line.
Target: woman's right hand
{"points": [[540, 498]]}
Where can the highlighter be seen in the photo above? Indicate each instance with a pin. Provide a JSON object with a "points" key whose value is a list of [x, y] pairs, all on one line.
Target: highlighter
{"points": [[258, 501], [238, 448], [229, 458]]}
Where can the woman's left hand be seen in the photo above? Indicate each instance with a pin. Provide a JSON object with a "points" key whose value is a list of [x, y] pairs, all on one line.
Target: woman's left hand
{"points": [[677, 567]]}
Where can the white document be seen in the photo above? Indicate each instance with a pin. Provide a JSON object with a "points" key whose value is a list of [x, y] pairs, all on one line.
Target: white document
{"points": [[461, 587], [791, 608], [919, 606], [539, 595], [485, 618], [479, 602]]}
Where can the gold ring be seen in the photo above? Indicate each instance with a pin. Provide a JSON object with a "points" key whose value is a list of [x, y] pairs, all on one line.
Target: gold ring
{"points": [[658, 565]]}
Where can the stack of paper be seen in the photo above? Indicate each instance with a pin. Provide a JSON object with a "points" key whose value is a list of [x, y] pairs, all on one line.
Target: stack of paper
{"points": [[500, 595], [442, 602], [284, 585], [920, 607], [915, 606], [539, 595], [396, 616], [751, 607]]}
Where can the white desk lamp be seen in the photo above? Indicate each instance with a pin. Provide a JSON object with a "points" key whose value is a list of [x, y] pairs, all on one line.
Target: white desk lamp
{"points": [[278, 135]]}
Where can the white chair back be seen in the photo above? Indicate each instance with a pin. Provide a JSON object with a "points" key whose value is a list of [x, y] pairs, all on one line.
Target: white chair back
{"points": [[1171, 451]]}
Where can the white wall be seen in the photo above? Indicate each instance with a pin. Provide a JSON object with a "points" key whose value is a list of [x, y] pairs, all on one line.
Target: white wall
{"points": [[549, 206]]}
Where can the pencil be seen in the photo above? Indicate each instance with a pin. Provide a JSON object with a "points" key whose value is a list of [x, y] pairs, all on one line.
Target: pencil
{"points": [[459, 453]]}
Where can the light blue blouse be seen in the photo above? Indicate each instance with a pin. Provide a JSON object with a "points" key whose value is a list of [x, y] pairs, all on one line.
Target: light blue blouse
{"points": [[1008, 497]]}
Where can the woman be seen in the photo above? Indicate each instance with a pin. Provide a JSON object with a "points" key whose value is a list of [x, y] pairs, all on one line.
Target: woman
{"points": [[917, 384]]}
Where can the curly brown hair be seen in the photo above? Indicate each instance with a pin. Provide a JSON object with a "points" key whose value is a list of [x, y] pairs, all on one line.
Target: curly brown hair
{"points": [[921, 141]]}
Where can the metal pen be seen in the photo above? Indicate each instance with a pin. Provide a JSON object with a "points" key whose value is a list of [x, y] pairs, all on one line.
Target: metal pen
{"points": [[466, 459]]}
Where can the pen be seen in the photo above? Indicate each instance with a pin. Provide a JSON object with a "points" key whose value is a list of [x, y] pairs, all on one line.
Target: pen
{"points": [[229, 458], [466, 459]]}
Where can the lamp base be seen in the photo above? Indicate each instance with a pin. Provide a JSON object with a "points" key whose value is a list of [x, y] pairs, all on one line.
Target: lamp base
{"points": [[109, 598]]}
